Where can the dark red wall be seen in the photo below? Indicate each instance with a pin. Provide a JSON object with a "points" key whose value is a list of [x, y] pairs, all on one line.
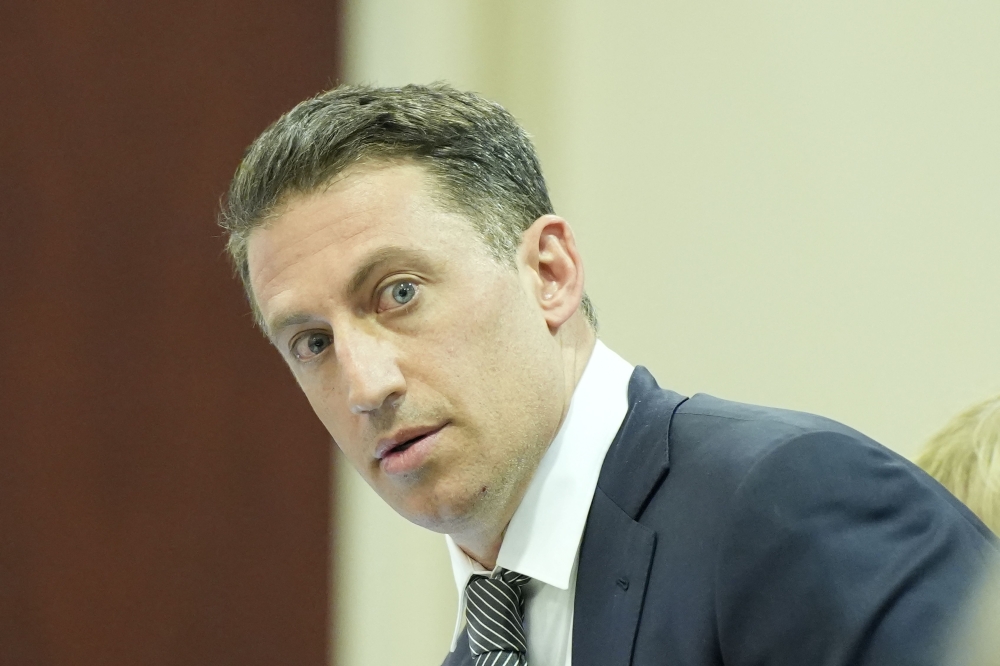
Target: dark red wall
{"points": [[164, 488]]}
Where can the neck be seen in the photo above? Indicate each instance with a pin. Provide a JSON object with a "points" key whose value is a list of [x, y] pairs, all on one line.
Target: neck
{"points": [[483, 542], [484, 552]]}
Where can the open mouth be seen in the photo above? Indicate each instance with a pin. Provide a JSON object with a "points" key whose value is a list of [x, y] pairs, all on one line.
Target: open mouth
{"points": [[406, 440], [405, 445]]}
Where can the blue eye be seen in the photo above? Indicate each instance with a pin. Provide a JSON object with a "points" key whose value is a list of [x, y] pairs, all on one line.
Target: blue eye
{"points": [[396, 295], [317, 342], [309, 345], [403, 292]]}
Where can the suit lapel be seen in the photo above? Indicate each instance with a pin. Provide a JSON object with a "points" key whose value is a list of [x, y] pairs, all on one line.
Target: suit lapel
{"points": [[616, 551]]}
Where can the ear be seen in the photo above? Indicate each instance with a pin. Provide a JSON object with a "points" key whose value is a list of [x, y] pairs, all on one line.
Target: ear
{"points": [[552, 269]]}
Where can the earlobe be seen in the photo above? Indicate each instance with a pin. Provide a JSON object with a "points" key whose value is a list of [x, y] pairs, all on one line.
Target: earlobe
{"points": [[549, 252]]}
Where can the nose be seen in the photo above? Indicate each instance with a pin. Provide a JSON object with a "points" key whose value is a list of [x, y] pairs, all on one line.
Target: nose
{"points": [[370, 370]]}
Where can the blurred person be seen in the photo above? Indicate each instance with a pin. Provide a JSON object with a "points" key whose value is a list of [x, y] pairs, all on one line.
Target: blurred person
{"points": [[399, 249], [965, 457]]}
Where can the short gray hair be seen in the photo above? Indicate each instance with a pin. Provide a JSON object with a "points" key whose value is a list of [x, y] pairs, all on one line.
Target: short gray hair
{"points": [[482, 160]]}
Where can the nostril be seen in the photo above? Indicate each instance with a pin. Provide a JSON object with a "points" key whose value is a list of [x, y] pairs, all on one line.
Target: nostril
{"points": [[371, 376], [374, 402]]}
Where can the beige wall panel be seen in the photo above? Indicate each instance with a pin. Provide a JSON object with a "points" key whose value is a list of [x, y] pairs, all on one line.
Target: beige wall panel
{"points": [[792, 207], [394, 42]]}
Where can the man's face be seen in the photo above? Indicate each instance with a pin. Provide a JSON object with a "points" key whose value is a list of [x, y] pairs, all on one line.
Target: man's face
{"points": [[428, 361]]}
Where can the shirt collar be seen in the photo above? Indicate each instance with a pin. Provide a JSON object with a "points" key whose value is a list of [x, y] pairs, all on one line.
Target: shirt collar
{"points": [[543, 536]]}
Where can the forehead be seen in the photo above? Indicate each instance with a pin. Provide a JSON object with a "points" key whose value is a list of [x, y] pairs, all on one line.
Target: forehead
{"points": [[333, 231]]}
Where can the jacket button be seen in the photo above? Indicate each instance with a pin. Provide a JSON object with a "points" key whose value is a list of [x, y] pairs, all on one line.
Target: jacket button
{"points": [[623, 583]]}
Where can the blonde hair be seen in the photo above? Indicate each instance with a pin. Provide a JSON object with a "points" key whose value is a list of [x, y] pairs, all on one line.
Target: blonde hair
{"points": [[965, 458]]}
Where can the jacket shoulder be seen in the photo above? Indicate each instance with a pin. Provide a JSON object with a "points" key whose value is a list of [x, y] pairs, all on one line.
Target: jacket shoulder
{"points": [[744, 433], [705, 409], [765, 510]]}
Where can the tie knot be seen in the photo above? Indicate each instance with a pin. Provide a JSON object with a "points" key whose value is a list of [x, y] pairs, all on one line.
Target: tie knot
{"points": [[495, 611], [512, 578]]}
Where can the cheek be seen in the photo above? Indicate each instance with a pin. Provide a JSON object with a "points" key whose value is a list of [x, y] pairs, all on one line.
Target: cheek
{"points": [[329, 406], [474, 340], [491, 347]]}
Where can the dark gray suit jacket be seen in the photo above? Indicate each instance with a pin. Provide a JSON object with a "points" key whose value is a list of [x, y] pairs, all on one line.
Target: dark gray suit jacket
{"points": [[723, 533]]}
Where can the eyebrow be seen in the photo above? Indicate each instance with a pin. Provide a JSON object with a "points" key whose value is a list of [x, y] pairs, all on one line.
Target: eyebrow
{"points": [[358, 279], [375, 260], [285, 321]]}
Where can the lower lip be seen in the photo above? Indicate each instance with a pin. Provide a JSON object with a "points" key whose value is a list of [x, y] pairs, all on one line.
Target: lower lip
{"points": [[411, 458]]}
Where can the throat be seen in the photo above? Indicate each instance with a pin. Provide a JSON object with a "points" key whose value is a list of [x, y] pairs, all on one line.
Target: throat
{"points": [[483, 551]]}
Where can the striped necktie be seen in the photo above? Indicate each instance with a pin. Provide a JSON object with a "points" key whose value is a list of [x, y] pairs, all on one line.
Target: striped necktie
{"points": [[494, 612]]}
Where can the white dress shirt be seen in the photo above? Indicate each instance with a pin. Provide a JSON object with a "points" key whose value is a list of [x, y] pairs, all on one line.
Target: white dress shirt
{"points": [[543, 537]]}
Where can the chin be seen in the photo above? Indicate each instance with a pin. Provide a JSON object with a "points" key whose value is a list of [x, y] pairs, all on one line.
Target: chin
{"points": [[440, 512]]}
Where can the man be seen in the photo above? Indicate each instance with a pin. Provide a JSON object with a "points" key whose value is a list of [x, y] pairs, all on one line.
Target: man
{"points": [[399, 249]]}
